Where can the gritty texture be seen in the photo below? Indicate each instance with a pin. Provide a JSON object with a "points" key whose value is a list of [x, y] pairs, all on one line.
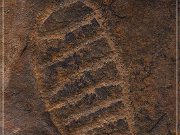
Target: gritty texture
{"points": [[90, 67]]}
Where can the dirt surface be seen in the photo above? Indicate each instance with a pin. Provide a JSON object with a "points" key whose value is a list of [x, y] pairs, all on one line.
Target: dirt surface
{"points": [[90, 67]]}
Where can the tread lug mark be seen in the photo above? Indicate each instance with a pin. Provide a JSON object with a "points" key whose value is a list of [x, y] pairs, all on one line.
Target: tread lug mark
{"points": [[90, 100], [119, 126], [65, 17], [86, 56], [88, 119], [83, 32], [107, 72], [57, 47], [92, 117], [47, 49]]}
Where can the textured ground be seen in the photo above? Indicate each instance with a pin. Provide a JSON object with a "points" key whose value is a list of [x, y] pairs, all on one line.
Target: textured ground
{"points": [[90, 67]]}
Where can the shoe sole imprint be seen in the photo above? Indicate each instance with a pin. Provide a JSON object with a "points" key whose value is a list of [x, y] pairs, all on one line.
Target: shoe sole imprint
{"points": [[79, 72]]}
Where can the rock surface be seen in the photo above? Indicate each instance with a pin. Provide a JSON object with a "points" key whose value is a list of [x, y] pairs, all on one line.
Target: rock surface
{"points": [[90, 67]]}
